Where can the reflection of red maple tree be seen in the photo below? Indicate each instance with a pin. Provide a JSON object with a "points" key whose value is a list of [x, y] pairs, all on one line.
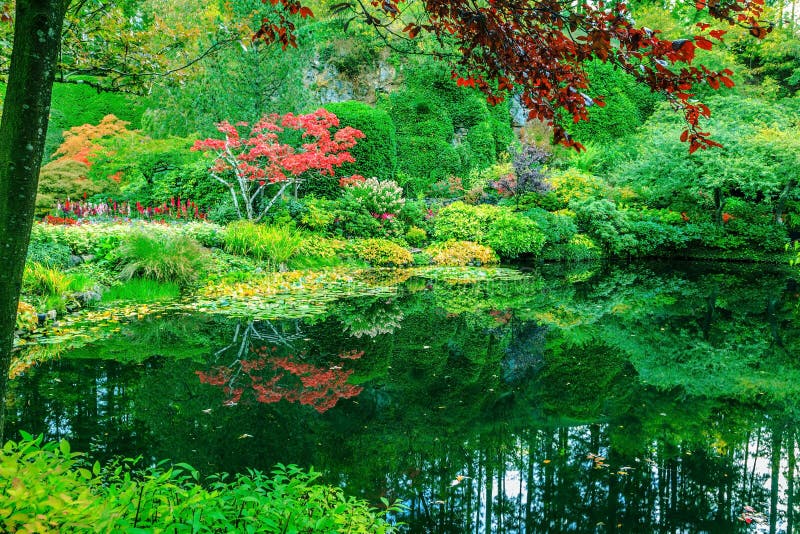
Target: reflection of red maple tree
{"points": [[284, 378]]}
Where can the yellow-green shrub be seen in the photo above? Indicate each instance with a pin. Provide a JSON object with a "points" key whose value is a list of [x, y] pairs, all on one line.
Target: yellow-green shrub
{"points": [[461, 253], [381, 253]]}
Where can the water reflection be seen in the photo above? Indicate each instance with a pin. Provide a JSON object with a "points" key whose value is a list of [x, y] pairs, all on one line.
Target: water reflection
{"points": [[268, 374], [640, 399]]}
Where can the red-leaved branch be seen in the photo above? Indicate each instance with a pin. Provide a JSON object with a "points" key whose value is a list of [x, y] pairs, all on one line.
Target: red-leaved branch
{"points": [[537, 48]]}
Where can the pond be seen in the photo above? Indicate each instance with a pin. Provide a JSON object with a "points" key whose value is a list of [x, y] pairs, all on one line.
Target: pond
{"points": [[605, 398]]}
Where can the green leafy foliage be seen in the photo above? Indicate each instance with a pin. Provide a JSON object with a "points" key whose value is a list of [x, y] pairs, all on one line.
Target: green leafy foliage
{"points": [[49, 488], [49, 254], [508, 233]]}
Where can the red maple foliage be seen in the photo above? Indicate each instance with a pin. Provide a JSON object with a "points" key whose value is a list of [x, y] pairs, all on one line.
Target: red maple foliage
{"points": [[538, 47], [251, 159]]}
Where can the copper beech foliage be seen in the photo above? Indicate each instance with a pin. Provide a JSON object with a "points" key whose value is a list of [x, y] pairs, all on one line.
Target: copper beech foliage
{"points": [[538, 47]]}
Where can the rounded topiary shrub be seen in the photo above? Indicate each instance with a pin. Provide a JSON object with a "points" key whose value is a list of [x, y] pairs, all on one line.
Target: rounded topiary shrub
{"points": [[376, 153]]}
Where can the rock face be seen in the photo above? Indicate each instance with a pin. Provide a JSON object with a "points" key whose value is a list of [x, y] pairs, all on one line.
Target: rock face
{"points": [[333, 84]]}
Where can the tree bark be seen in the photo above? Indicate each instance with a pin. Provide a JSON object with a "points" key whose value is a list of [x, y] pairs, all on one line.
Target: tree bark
{"points": [[37, 35]]}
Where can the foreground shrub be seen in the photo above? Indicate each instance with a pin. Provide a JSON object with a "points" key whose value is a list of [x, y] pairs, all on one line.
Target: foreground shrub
{"points": [[48, 488], [381, 253], [274, 244], [580, 247], [461, 253], [172, 258]]}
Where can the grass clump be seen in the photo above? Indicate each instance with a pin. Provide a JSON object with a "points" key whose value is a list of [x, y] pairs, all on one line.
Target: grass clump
{"points": [[171, 258], [51, 489], [274, 244]]}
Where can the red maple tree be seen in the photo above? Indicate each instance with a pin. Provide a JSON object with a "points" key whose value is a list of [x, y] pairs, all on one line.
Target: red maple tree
{"points": [[538, 47], [249, 165]]}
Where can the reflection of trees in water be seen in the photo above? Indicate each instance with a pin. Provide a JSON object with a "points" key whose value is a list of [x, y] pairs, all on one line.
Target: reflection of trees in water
{"points": [[370, 317], [572, 479], [261, 367], [525, 352]]}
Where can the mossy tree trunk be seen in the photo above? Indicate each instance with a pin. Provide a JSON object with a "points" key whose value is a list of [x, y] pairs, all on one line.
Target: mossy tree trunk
{"points": [[37, 34]]}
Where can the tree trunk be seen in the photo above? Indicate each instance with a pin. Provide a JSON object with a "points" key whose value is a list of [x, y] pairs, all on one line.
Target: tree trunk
{"points": [[37, 35]]}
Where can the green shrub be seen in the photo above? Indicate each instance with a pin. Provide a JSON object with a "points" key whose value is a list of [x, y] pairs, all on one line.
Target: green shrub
{"points": [[556, 227], [319, 214], [416, 236], [172, 258], [511, 234], [371, 209], [572, 185], [49, 254], [264, 243], [579, 248], [424, 160], [461, 222], [376, 154], [381, 253], [95, 239], [48, 488], [608, 226], [207, 234], [460, 253]]}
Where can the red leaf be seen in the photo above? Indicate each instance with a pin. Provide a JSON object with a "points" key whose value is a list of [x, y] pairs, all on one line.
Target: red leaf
{"points": [[306, 12], [717, 34], [684, 136], [703, 43]]}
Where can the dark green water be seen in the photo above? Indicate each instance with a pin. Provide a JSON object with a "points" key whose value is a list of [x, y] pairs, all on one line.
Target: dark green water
{"points": [[648, 398]]}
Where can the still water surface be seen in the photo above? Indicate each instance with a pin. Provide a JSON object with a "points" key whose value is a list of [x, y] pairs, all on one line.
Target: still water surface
{"points": [[645, 398]]}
